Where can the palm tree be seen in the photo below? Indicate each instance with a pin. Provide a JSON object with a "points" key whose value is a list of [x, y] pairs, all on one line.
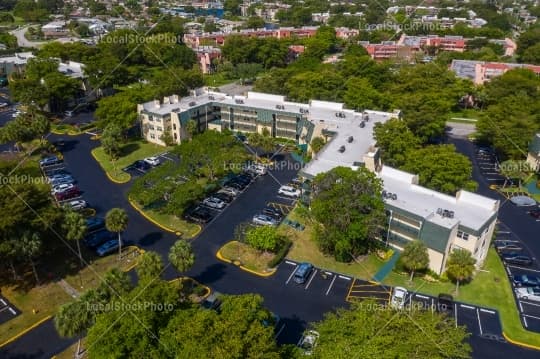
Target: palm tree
{"points": [[460, 266], [149, 266], [31, 247], [73, 319], [415, 257], [181, 255], [116, 220], [75, 227]]}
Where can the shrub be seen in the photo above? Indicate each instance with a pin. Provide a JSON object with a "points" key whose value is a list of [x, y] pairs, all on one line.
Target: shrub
{"points": [[285, 245]]}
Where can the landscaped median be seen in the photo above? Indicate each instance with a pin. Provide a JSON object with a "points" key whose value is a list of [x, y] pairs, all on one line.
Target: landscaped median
{"points": [[130, 152], [247, 258], [40, 303], [167, 222]]}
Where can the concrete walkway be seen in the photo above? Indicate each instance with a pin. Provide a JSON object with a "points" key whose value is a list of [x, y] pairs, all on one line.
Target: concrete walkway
{"points": [[69, 289]]}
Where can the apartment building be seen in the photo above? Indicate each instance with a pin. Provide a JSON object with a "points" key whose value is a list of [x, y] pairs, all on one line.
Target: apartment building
{"points": [[482, 71], [442, 222]]}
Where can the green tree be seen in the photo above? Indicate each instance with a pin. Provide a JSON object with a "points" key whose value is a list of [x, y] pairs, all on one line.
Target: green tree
{"points": [[531, 55], [116, 220], [110, 141], [192, 128], [167, 138], [375, 329], [441, 168], [357, 194], [261, 141], [361, 95], [32, 247], [317, 144], [460, 266], [75, 228], [415, 257], [119, 109], [264, 238], [149, 266], [395, 140], [181, 255], [74, 319], [254, 22], [528, 39]]}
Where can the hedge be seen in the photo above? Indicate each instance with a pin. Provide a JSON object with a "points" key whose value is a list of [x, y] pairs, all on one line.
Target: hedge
{"points": [[280, 254]]}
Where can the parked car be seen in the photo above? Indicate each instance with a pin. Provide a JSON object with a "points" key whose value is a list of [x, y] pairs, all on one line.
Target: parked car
{"points": [[63, 180], [302, 272], [198, 215], [535, 213], [507, 246], [245, 179], [94, 223], [445, 303], [213, 301], [153, 161], [264, 220], [76, 204], [141, 165], [56, 171], [94, 240], [229, 191], [214, 202], [68, 194], [532, 293], [526, 280], [273, 212], [62, 188], [289, 191], [258, 168], [308, 342], [237, 185], [223, 196], [57, 175], [517, 258], [49, 161], [107, 247], [399, 296]]}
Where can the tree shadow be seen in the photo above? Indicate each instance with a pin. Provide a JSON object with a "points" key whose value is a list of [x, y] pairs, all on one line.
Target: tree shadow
{"points": [[211, 274], [129, 148], [150, 238]]}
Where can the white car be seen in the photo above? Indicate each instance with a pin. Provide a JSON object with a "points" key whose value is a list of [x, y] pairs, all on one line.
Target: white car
{"points": [[289, 191], [258, 168], [399, 296], [309, 341], [264, 220], [153, 161], [230, 191], [62, 188], [76, 205], [531, 293], [214, 202]]}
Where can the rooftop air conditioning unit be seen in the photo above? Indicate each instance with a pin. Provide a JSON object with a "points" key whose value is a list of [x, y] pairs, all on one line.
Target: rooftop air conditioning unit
{"points": [[192, 103], [439, 211], [211, 97], [384, 194], [342, 149], [451, 214], [239, 101], [350, 139], [365, 117], [362, 124], [394, 196]]}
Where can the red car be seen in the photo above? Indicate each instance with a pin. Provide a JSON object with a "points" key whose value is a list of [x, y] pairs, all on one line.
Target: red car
{"points": [[68, 194]]}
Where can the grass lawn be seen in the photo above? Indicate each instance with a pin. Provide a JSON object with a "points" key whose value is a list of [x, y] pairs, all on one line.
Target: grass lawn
{"points": [[130, 152], [47, 297], [250, 258], [173, 223], [305, 249], [217, 79]]}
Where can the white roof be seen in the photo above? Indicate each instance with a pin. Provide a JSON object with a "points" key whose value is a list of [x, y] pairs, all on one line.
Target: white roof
{"points": [[20, 58], [470, 210]]}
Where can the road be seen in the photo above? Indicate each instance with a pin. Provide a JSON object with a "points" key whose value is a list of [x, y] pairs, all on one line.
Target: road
{"points": [[23, 41], [296, 305]]}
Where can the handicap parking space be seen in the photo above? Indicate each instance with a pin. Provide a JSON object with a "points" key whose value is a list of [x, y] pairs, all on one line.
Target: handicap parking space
{"points": [[7, 310], [168, 156], [360, 290], [283, 207]]}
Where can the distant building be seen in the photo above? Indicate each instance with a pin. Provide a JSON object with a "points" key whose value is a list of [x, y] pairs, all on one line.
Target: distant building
{"points": [[207, 56], [482, 71], [55, 29], [15, 63]]}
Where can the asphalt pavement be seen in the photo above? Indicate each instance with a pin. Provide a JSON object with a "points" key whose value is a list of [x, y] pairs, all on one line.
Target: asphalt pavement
{"points": [[297, 305]]}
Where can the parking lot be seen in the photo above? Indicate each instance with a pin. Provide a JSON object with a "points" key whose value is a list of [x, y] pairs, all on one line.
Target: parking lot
{"points": [[140, 167], [7, 310], [488, 164]]}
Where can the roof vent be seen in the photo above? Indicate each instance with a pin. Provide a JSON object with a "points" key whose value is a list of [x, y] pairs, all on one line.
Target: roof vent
{"points": [[210, 97], [340, 114], [304, 110], [280, 107], [350, 139], [239, 101], [342, 149], [365, 117], [192, 103], [362, 124]]}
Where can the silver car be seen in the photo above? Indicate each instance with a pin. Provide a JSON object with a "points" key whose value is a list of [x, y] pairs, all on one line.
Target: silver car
{"points": [[230, 191], [264, 220], [214, 202], [532, 293], [76, 205]]}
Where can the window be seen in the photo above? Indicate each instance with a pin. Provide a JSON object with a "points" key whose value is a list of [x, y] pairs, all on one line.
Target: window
{"points": [[150, 118], [463, 235], [159, 128], [152, 136], [151, 127], [174, 126]]}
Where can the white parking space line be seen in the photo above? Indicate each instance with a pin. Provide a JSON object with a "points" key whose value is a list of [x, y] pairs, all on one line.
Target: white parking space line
{"points": [[432, 305], [5, 308], [530, 316], [525, 322], [466, 306], [487, 311], [421, 296], [331, 284], [520, 306], [508, 270], [291, 263], [529, 303], [279, 331], [455, 313], [12, 311], [289, 279], [344, 277], [479, 322], [311, 279], [492, 173], [523, 268], [4, 303]]}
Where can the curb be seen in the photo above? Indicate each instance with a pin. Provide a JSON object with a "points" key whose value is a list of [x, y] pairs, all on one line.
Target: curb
{"points": [[141, 251], [208, 290], [518, 343], [142, 213], [24, 331], [220, 257], [107, 173]]}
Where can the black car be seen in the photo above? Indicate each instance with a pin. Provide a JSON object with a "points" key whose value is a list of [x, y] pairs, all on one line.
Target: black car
{"points": [[445, 303], [235, 184], [517, 258], [273, 212], [141, 165], [94, 223], [223, 196], [535, 213], [199, 215], [98, 238], [243, 179], [525, 280]]}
